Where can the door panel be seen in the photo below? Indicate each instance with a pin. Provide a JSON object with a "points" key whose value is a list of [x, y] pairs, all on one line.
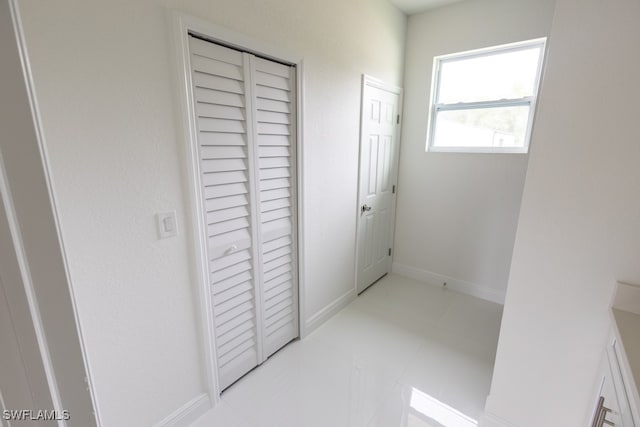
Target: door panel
{"points": [[274, 87], [219, 87], [378, 157]]}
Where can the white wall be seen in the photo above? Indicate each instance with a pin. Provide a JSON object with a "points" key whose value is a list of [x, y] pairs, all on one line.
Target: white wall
{"points": [[103, 75], [579, 228], [457, 213]]}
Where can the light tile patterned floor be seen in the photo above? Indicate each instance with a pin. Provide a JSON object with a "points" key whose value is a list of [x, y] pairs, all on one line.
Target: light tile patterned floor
{"points": [[402, 354]]}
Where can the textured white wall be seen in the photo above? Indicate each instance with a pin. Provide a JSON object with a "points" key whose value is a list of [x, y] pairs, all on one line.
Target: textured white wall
{"points": [[104, 84], [457, 213], [579, 228]]}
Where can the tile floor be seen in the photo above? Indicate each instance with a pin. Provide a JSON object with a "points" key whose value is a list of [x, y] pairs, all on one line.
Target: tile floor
{"points": [[402, 354]]}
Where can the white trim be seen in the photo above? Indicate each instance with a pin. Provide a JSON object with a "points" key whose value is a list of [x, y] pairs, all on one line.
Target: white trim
{"points": [[198, 224], [492, 420], [187, 413], [233, 39], [42, 147], [459, 285], [329, 310], [296, 188], [183, 25], [30, 293], [480, 150], [373, 82], [2, 408], [501, 48], [368, 80], [301, 216]]}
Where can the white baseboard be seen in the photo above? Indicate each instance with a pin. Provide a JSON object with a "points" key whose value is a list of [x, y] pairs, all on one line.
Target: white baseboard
{"points": [[187, 413], [463, 286], [491, 420], [327, 312]]}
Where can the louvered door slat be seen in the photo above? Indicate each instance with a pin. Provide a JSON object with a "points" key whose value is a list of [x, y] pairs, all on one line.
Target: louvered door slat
{"points": [[272, 93], [217, 68], [276, 161], [211, 50], [229, 330], [274, 151], [236, 257], [217, 83], [279, 286], [225, 190], [206, 96], [275, 117], [218, 178], [232, 270], [226, 214], [275, 173], [221, 103], [275, 183], [276, 253], [223, 152], [264, 104], [229, 283]]}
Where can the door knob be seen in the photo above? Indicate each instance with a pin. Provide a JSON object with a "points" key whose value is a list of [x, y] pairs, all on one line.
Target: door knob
{"points": [[365, 208]]}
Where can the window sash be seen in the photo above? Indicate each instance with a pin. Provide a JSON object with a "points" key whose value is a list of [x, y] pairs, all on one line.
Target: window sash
{"points": [[528, 101]]}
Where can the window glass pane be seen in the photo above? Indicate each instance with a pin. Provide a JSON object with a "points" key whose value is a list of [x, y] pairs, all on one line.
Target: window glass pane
{"points": [[485, 127], [507, 75]]}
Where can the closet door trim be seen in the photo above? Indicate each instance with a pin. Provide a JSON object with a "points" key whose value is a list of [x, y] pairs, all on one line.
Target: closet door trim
{"points": [[184, 25]]}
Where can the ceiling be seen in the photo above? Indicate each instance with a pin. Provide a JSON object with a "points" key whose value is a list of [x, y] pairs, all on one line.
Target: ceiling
{"points": [[415, 6]]}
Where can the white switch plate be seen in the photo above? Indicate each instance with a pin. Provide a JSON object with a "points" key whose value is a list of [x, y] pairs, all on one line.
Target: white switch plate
{"points": [[166, 224]]}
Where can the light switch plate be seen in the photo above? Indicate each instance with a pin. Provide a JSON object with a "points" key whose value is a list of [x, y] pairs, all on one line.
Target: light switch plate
{"points": [[166, 224]]}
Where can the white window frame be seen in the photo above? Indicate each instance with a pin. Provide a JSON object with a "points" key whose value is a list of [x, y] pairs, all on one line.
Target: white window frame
{"points": [[530, 101]]}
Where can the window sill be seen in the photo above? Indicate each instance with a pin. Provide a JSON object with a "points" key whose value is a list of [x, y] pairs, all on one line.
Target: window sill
{"points": [[478, 150]]}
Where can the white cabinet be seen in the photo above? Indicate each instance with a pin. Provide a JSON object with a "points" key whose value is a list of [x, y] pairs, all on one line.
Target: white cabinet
{"points": [[618, 403], [612, 406]]}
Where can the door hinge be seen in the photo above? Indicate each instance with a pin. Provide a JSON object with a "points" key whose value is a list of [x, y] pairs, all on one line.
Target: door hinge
{"points": [[393, 189], [398, 119], [389, 251]]}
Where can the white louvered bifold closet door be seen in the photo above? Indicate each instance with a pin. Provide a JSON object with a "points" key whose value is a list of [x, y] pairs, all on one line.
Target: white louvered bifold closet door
{"points": [[244, 108], [274, 91]]}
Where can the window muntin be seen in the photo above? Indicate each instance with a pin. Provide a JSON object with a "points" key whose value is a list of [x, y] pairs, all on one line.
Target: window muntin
{"points": [[483, 101]]}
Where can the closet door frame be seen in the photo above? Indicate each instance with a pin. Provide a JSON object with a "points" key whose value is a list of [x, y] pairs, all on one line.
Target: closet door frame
{"points": [[183, 25]]}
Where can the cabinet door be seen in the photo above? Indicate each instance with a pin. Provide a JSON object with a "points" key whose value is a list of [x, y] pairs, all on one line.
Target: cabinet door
{"points": [[609, 408], [612, 406], [624, 408]]}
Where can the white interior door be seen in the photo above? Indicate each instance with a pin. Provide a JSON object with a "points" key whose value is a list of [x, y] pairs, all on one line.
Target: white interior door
{"points": [[379, 145], [245, 115]]}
